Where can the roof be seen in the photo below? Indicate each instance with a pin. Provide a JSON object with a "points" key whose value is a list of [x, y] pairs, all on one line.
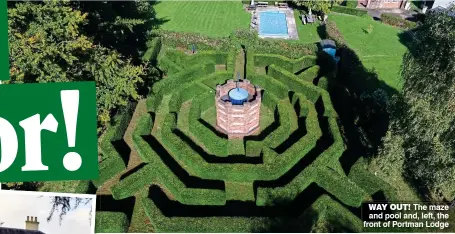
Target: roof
{"points": [[238, 94], [18, 231]]}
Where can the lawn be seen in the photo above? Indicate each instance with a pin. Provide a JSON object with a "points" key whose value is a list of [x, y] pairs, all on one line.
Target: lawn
{"points": [[308, 33], [211, 18], [381, 50]]}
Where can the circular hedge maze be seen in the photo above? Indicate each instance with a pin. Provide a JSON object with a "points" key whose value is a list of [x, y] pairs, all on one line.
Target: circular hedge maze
{"points": [[287, 177]]}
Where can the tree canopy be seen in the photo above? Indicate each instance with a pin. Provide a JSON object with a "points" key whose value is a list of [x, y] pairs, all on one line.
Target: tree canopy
{"points": [[316, 5], [60, 41], [422, 136]]}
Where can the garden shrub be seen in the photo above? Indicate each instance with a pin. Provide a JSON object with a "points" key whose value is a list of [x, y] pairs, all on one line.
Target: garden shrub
{"points": [[292, 81], [349, 11], [113, 162], [351, 3], [397, 21], [285, 48], [332, 32], [111, 222], [185, 40]]}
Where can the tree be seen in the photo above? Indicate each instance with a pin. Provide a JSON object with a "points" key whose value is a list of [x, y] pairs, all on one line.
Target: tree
{"points": [[48, 44], [424, 118], [63, 205], [322, 6]]}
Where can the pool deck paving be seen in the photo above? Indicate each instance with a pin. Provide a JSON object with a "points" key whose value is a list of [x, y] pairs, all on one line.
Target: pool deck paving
{"points": [[290, 21]]}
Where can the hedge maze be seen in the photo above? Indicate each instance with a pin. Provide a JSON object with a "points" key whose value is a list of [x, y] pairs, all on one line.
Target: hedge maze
{"points": [[193, 179]]}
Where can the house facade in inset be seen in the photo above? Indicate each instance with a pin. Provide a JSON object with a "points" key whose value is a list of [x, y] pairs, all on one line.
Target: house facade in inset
{"points": [[31, 227], [382, 4]]}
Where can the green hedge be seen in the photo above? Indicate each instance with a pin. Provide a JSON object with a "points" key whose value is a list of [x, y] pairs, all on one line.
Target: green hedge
{"points": [[213, 171], [156, 171], [111, 222], [186, 40], [328, 209], [184, 93], [291, 65], [82, 187], [161, 223], [240, 191], [330, 157], [151, 102], [288, 124], [154, 48], [369, 182], [323, 83], [293, 82], [168, 66], [332, 32], [214, 144], [310, 74], [253, 148], [305, 106], [341, 187], [397, 21], [268, 84], [167, 86], [351, 3], [285, 48], [350, 11], [144, 127], [230, 61], [113, 162]]}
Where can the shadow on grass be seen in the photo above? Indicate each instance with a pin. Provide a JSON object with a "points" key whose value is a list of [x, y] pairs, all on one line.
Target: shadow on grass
{"points": [[363, 115]]}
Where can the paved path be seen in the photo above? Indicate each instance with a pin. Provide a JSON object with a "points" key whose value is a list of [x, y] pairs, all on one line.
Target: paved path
{"points": [[376, 13]]}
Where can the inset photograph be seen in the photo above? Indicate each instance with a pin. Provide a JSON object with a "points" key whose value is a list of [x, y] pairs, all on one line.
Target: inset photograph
{"points": [[23, 212]]}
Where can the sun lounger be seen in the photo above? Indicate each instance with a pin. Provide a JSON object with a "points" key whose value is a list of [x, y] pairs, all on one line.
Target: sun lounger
{"points": [[262, 4]]}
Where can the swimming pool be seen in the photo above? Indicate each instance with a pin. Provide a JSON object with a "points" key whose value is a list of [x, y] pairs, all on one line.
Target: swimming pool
{"points": [[273, 23]]}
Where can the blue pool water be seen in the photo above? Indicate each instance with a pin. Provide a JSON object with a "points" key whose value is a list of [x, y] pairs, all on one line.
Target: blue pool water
{"points": [[272, 23]]}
